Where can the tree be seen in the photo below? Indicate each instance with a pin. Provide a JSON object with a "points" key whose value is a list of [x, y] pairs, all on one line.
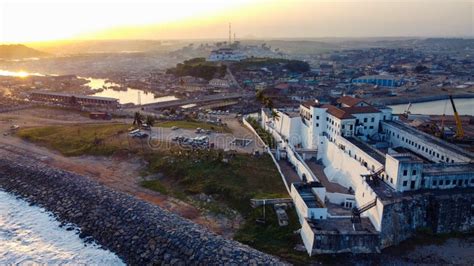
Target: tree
{"points": [[150, 120], [268, 103], [138, 119], [420, 68], [259, 95], [298, 66], [275, 115]]}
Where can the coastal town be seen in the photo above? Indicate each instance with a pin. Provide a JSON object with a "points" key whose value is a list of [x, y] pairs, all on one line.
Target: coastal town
{"points": [[195, 142]]}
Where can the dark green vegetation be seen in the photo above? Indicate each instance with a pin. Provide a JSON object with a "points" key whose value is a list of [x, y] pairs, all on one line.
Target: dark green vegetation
{"points": [[265, 135], [231, 178], [199, 68], [271, 238], [78, 140], [294, 66], [139, 119], [267, 102], [154, 185]]}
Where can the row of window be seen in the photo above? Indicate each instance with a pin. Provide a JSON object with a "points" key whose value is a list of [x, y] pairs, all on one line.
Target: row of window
{"points": [[405, 172], [421, 147], [456, 182], [372, 119]]}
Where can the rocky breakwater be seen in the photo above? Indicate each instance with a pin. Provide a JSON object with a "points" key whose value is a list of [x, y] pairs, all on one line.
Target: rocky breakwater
{"points": [[138, 232]]}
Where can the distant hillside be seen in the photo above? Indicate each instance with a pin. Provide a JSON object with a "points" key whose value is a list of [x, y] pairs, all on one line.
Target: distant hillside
{"points": [[103, 46], [18, 51]]}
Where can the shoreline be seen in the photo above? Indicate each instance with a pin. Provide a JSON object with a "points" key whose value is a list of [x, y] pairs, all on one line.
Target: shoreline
{"points": [[30, 234], [136, 231], [424, 99]]}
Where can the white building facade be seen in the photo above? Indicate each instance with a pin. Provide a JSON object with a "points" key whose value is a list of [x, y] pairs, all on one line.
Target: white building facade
{"points": [[226, 54]]}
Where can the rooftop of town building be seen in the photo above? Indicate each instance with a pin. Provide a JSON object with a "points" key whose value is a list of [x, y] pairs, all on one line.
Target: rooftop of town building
{"points": [[60, 94], [311, 103], [349, 100], [379, 77]]}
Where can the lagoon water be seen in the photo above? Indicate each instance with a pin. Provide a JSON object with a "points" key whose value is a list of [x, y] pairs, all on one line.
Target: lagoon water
{"points": [[128, 95], [31, 235], [463, 106], [124, 96]]}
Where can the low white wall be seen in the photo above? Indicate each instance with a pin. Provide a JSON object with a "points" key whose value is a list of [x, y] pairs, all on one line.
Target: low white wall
{"points": [[307, 236], [346, 167], [249, 126], [338, 198]]}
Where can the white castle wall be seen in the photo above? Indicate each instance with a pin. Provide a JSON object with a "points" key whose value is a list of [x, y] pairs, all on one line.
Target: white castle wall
{"points": [[344, 169]]}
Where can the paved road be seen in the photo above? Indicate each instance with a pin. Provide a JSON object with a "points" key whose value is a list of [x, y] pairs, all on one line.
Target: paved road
{"points": [[232, 77]]}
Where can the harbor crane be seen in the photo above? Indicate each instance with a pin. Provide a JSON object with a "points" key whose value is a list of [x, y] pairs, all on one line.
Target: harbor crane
{"points": [[407, 110], [459, 130]]}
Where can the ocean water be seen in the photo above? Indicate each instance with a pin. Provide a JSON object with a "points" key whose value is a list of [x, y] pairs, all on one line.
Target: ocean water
{"points": [[30, 235]]}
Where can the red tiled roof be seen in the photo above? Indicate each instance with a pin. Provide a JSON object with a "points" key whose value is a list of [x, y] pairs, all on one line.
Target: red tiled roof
{"points": [[282, 86], [311, 103], [336, 112], [349, 101], [360, 110]]}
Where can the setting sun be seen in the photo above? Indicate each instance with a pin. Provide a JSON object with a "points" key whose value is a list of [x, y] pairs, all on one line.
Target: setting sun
{"points": [[20, 74]]}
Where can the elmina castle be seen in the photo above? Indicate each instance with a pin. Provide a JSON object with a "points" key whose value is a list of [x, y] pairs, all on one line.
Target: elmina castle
{"points": [[362, 180]]}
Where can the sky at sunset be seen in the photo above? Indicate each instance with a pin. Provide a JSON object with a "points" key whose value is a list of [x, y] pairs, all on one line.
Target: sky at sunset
{"points": [[44, 20]]}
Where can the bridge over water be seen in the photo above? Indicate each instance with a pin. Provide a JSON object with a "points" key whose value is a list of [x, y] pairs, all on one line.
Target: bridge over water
{"points": [[197, 100]]}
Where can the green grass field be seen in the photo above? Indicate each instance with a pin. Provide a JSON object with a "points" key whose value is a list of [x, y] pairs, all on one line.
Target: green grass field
{"points": [[75, 140], [193, 125], [235, 182]]}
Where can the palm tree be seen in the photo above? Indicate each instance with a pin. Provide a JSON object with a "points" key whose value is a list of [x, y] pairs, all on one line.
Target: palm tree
{"points": [[259, 95], [150, 120], [275, 115], [268, 103], [138, 119]]}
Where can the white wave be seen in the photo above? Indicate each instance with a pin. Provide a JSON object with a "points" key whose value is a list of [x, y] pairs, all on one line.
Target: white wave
{"points": [[31, 235]]}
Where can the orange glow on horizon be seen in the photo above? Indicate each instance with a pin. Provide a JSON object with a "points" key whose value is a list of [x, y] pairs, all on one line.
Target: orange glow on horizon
{"points": [[34, 21], [52, 20]]}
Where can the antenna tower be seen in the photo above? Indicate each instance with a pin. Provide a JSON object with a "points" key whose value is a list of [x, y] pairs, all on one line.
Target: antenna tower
{"points": [[230, 34]]}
